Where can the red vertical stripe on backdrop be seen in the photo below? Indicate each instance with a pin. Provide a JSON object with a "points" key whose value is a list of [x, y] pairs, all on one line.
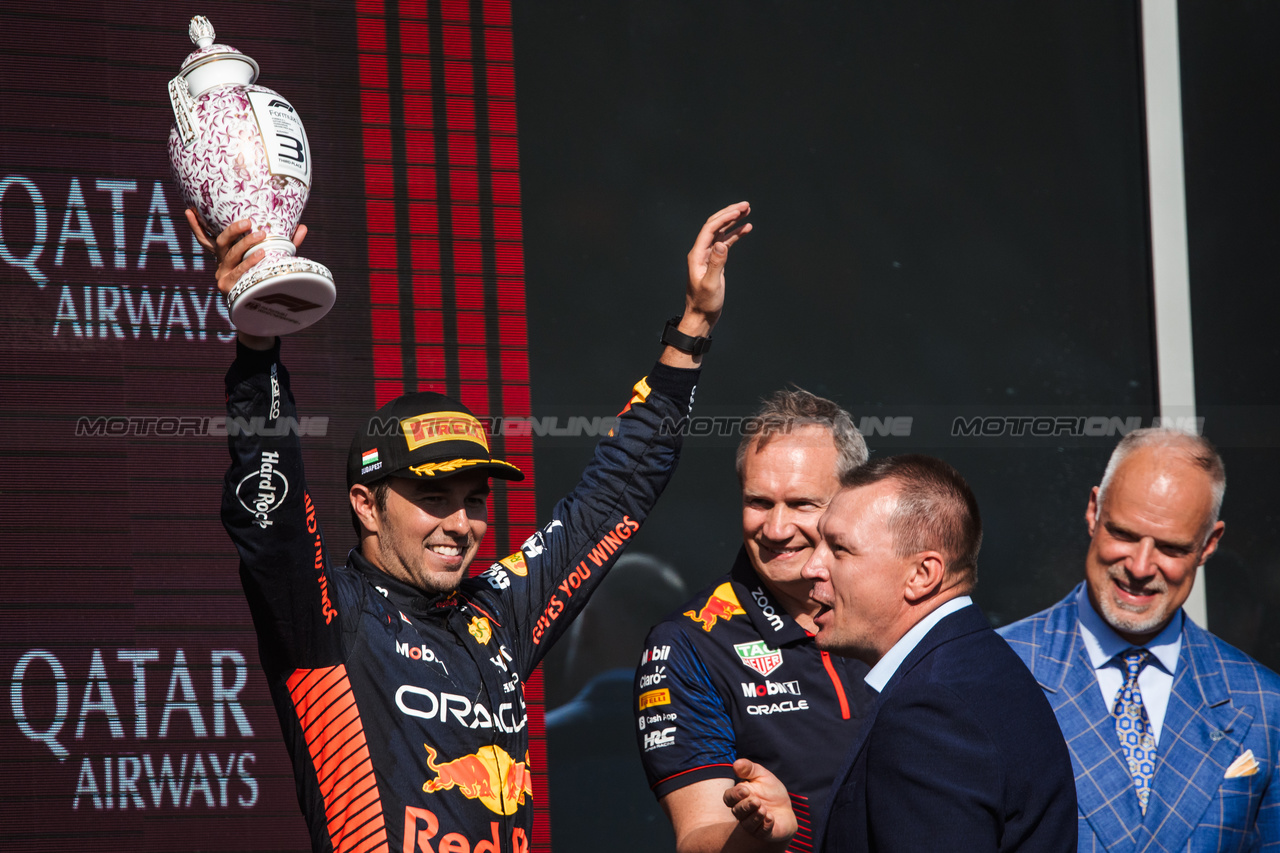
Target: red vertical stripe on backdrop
{"points": [[375, 116], [469, 112], [460, 100], [424, 234]]}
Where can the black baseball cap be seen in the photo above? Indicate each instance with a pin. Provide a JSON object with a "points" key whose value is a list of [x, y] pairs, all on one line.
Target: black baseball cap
{"points": [[422, 436]]}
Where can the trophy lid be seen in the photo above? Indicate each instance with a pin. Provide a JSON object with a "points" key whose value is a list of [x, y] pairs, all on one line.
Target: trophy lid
{"points": [[202, 34]]}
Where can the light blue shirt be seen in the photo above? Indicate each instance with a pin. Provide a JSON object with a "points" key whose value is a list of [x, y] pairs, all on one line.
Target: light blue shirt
{"points": [[884, 669], [1155, 682]]}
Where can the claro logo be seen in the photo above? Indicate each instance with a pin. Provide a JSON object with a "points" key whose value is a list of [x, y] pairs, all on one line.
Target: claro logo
{"points": [[654, 678], [264, 490]]}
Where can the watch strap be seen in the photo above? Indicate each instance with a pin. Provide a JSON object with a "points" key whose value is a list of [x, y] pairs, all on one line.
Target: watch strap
{"points": [[673, 337]]}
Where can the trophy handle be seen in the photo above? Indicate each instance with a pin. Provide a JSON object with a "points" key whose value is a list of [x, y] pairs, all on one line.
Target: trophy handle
{"points": [[184, 110]]}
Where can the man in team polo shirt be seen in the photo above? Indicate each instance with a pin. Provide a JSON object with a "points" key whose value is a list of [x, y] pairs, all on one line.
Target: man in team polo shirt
{"points": [[735, 673]]}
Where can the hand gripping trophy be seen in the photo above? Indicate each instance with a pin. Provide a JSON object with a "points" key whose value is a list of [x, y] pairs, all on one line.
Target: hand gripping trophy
{"points": [[238, 151]]}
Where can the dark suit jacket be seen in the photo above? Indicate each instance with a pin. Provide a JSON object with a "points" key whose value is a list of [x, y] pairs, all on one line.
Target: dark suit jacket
{"points": [[962, 754], [1223, 705]]}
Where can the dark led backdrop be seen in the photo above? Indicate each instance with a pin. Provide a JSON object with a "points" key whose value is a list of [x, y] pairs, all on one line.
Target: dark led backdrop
{"points": [[137, 718], [952, 241]]}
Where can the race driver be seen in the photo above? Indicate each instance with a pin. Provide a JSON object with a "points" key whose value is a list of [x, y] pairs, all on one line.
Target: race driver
{"points": [[735, 672], [398, 681]]}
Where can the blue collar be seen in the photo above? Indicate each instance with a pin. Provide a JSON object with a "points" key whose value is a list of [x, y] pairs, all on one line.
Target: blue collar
{"points": [[1102, 642]]}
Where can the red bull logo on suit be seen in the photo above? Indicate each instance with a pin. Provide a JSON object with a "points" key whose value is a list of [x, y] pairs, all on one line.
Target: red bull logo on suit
{"points": [[488, 775]]}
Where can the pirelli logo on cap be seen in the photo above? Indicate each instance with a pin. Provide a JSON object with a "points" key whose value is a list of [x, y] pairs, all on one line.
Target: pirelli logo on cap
{"points": [[443, 426], [655, 697]]}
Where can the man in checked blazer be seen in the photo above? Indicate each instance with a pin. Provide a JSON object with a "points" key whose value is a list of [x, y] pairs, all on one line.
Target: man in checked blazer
{"points": [[1210, 713]]}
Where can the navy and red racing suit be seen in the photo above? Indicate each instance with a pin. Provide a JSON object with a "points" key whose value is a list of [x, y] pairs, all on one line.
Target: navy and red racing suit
{"points": [[733, 675], [404, 712]]}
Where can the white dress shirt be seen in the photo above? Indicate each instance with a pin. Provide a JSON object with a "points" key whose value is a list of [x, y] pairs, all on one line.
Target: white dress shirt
{"points": [[1156, 679], [884, 669]]}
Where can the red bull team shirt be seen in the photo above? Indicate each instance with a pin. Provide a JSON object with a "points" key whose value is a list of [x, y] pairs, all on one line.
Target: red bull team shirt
{"points": [[732, 675]]}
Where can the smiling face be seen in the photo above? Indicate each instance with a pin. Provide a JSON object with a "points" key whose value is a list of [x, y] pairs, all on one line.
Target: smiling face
{"points": [[1149, 537], [786, 485], [429, 531], [860, 581]]}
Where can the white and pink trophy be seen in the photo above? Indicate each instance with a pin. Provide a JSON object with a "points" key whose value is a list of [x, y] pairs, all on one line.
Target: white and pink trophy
{"points": [[238, 151]]}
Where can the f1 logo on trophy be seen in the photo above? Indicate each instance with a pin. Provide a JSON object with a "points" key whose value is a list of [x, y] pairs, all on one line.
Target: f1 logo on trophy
{"points": [[238, 151]]}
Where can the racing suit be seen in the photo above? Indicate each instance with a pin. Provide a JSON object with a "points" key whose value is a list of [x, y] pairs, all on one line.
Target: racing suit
{"points": [[733, 675], [404, 712]]}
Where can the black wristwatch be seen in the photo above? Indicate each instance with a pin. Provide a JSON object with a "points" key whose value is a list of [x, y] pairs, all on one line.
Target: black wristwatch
{"points": [[673, 337]]}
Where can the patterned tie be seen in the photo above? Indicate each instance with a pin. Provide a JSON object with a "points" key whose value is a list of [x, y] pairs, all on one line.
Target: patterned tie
{"points": [[1134, 728]]}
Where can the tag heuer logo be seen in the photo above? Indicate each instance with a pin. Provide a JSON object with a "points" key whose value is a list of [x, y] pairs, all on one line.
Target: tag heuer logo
{"points": [[759, 656]]}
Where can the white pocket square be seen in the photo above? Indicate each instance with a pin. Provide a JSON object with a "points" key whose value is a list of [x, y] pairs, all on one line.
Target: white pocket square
{"points": [[1245, 765]]}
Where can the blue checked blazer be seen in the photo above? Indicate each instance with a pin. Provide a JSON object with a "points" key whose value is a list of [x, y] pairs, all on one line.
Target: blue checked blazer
{"points": [[1222, 703]]}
